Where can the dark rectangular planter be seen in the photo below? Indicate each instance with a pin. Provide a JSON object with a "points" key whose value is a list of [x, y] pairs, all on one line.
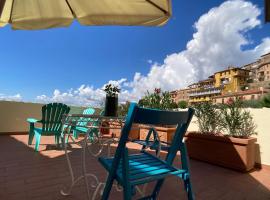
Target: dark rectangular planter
{"points": [[230, 152], [111, 106]]}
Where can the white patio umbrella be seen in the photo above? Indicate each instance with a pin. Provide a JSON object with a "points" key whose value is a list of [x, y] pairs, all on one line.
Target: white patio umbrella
{"points": [[44, 14]]}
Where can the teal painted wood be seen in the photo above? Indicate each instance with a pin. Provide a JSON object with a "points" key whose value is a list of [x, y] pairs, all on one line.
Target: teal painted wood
{"points": [[135, 169], [51, 123], [80, 126]]}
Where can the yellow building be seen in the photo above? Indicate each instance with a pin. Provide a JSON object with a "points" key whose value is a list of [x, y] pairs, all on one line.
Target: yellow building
{"points": [[204, 90], [231, 79], [221, 83]]}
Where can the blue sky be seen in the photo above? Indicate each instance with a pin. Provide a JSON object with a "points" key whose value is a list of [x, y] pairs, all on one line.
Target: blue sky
{"points": [[35, 63]]}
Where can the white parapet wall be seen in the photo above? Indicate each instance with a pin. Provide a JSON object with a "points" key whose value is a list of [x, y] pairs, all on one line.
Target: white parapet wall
{"points": [[261, 117], [13, 117]]}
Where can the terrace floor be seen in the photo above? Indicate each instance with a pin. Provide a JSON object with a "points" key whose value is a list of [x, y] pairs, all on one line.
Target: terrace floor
{"points": [[25, 174]]}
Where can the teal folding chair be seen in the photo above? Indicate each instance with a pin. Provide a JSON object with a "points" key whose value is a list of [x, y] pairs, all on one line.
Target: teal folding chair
{"points": [[51, 123], [130, 170], [81, 125]]}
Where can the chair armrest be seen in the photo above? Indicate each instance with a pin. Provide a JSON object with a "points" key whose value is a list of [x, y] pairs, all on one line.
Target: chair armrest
{"points": [[32, 120]]}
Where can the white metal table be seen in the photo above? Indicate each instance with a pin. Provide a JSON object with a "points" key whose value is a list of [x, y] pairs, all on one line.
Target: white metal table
{"points": [[93, 123]]}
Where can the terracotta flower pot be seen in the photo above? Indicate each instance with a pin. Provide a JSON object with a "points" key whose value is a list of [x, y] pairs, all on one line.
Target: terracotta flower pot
{"points": [[230, 152], [165, 133], [133, 134]]}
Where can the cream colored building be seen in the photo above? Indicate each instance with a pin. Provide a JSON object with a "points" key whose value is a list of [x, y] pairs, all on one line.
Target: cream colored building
{"points": [[259, 70]]}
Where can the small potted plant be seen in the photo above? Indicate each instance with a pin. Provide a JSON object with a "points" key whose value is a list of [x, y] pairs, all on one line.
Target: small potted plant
{"points": [[111, 102], [224, 136], [163, 101]]}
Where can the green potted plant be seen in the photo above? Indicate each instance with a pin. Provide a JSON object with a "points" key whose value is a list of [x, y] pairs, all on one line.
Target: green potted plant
{"points": [[266, 101], [163, 101], [111, 102], [224, 136]]}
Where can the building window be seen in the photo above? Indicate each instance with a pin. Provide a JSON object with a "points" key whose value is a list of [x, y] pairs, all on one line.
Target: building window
{"points": [[222, 100]]}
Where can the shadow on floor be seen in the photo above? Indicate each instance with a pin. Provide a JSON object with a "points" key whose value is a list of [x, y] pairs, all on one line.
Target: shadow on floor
{"points": [[25, 174]]}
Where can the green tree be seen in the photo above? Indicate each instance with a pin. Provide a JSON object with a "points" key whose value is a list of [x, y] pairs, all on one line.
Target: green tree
{"points": [[182, 104], [158, 99], [236, 120], [266, 101], [123, 109], [208, 117]]}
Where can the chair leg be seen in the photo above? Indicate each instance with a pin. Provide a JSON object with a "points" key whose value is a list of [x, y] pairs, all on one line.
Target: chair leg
{"points": [[37, 136], [31, 134], [125, 173], [185, 165], [75, 134], [30, 137], [127, 192], [157, 189], [188, 188], [107, 189], [56, 139]]}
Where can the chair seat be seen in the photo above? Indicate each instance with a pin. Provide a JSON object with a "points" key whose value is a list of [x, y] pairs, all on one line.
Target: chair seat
{"points": [[143, 168], [81, 129]]}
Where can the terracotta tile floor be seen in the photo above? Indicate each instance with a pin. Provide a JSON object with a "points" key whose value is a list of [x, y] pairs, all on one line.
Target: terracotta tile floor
{"points": [[26, 175]]}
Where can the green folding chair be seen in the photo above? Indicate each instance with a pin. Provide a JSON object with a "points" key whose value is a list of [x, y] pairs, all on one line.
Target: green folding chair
{"points": [[51, 123], [81, 125]]}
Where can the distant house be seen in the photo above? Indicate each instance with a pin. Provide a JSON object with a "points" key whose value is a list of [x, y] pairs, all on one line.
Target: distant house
{"points": [[180, 95], [250, 81], [254, 94]]}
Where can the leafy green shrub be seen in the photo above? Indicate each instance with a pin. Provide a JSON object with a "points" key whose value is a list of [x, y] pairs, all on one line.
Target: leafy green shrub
{"points": [[123, 109], [252, 104], [182, 104], [236, 120], [266, 101], [208, 117], [112, 90], [158, 99]]}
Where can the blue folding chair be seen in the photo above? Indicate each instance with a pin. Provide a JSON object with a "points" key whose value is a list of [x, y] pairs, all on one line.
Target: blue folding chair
{"points": [[130, 170]]}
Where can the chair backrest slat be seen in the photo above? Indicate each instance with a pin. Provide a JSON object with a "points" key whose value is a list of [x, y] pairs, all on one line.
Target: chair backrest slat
{"points": [[84, 121], [160, 117], [57, 114], [52, 115]]}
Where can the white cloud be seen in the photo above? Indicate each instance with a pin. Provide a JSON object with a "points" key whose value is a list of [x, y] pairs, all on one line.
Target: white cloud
{"points": [[149, 61], [217, 42], [16, 97], [82, 96]]}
